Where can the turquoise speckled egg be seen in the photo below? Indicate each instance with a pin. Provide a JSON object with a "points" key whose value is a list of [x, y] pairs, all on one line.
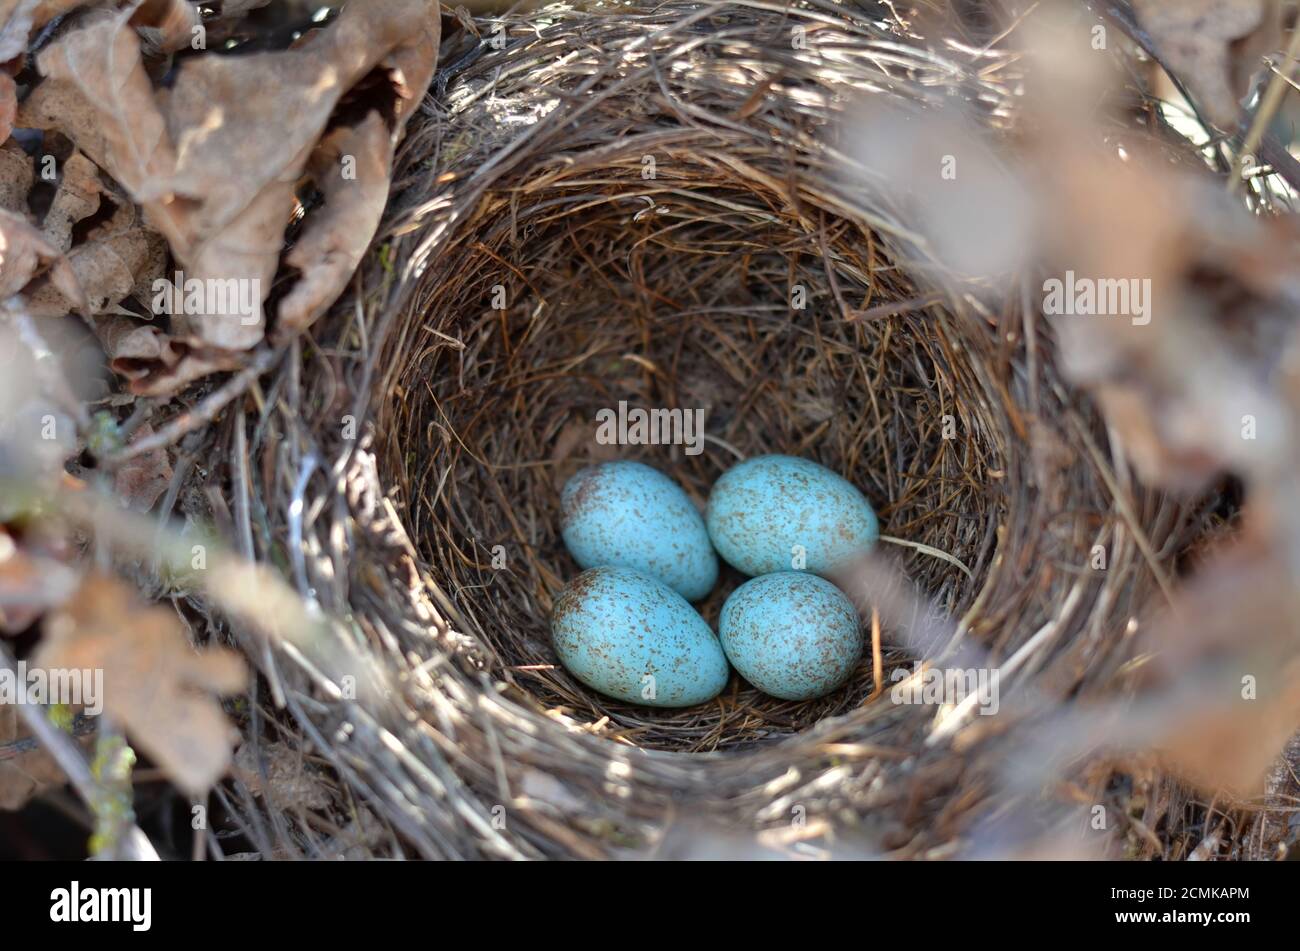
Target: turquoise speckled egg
{"points": [[628, 515], [633, 638], [779, 513], [791, 634]]}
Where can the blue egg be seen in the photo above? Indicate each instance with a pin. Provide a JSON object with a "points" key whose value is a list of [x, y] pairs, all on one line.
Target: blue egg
{"points": [[633, 638], [791, 634], [779, 513], [628, 515]]}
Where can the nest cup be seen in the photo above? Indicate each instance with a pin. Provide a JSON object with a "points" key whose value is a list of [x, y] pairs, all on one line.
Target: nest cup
{"points": [[641, 206]]}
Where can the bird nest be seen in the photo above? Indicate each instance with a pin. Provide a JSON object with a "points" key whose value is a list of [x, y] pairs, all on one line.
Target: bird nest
{"points": [[645, 207]]}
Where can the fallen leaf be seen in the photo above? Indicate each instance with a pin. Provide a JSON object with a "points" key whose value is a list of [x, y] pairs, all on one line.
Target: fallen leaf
{"points": [[24, 253], [33, 579], [98, 93], [107, 271], [16, 177], [237, 8], [8, 105], [48, 10], [229, 23], [154, 362], [166, 25], [196, 155], [1214, 46], [135, 344], [1228, 684], [351, 167], [17, 20], [335, 238], [1170, 228], [76, 198], [155, 684]]}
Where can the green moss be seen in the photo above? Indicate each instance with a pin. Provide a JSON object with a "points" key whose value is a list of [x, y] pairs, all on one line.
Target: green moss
{"points": [[60, 715], [113, 804]]}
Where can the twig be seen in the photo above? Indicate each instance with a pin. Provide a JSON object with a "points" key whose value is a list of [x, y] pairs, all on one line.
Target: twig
{"points": [[82, 725], [207, 410], [1268, 106], [894, 308], [877, 673]]}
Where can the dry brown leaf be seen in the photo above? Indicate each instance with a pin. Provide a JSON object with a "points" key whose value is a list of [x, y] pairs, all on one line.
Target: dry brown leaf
{"points": [[17, 20], [8, 105], [247, 249], [76, 198], [194, 364], [1141, 220], [293, 92], [47, 10], [228, 24], [24, 253], [154, 362], [155, 684], [142, 479], [1226, 667], [197, 156], [16, 177], [1214, 46], [23, 772], [336, 237], [133, 342], [352, 166], [166, 25], [34, 577], [108, 270], [251, 94], [237, 8], [98, 93]]}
